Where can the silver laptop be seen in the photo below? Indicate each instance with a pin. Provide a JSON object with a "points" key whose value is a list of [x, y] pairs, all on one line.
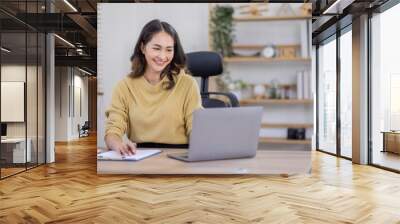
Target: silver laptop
{"points": [[223, 133]]}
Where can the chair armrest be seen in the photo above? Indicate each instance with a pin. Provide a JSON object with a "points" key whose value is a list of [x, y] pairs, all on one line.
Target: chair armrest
{"points": [[232, 98]]}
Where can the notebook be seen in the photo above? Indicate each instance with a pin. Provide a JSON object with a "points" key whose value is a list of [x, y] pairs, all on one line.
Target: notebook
{"points": [[139, 154]]}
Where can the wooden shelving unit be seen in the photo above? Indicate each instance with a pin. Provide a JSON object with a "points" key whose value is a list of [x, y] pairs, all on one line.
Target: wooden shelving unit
{"points": [[247, 52], [259, 46], [268, 18], [262, 59], [280, 85], [285, 125], [276, 101], [271, 140]]}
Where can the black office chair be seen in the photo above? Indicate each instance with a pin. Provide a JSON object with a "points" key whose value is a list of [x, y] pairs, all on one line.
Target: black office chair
{"points": [[84, 129], [205, 64]]}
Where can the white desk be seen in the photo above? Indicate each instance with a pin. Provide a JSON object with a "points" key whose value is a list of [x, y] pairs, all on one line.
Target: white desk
{"points": [[265, 162], [18, 150]]}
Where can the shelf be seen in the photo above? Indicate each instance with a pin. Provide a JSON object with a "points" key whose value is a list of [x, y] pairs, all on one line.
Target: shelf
{"points": [[275, 101], [260, 47], [262, 59], [267, 85], [271, 140], [268, 18], [285, 125]]}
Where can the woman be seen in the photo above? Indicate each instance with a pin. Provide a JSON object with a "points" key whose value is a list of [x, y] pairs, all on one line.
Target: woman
{"points": [[155, 102]]}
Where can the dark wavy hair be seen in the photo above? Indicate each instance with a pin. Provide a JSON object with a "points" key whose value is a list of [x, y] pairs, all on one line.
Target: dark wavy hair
{"points": [[139, 61]]}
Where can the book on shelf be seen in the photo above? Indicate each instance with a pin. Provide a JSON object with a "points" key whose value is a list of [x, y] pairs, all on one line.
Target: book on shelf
{"points": [[300, 85], [303, 85], [306, 79]]}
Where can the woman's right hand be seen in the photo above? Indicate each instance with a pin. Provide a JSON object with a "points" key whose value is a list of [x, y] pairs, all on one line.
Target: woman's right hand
{"points": [[115, 143], [125, 149]]}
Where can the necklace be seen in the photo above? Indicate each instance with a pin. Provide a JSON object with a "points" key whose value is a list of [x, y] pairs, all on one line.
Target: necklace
{"points": [[153, 82]]}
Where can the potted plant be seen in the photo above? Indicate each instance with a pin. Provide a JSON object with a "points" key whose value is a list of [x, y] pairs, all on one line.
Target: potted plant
{"points": [[221, 29], [239, 88]]}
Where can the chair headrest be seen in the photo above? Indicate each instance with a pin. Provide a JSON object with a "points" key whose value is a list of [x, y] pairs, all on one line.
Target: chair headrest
{"points": [[204, 63]]}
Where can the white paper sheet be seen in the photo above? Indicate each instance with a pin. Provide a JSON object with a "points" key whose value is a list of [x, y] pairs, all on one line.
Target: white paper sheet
{"points": [[139, 154]]}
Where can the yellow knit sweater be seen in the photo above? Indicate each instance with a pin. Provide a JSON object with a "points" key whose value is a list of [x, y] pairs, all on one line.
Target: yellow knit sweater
{"points": [[149, 113]]}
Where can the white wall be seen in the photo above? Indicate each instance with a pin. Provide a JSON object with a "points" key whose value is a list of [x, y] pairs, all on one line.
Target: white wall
{"points": [[33, 127], [66, 81], [17, 73], [80, 83], [14, 73], [61, 104], [118, 27]]}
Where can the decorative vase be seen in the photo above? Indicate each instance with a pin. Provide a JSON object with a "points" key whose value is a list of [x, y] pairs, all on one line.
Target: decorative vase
{"points": [[259, 91]]}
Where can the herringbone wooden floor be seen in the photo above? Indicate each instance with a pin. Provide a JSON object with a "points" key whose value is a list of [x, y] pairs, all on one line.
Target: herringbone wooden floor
{"points": [[70, 191]]}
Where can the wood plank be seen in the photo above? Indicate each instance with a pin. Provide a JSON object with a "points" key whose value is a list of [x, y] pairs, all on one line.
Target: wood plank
{"points": [[262, 59], [272, 140], [285, 125], [275, 101], [268, 18]]}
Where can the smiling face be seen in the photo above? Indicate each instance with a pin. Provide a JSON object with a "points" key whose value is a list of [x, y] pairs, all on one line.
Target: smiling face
{"points": [[159, 51]]}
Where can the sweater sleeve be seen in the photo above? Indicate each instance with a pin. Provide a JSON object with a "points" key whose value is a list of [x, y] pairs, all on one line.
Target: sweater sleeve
{"points": [[192, 103], [117, 113]]}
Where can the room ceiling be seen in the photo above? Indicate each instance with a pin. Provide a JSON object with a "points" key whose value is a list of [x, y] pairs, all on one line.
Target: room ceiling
{"points": [[328, 15], [76, 24]]}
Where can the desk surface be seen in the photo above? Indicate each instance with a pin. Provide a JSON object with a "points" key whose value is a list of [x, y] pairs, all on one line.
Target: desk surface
{"points": [[265, 162], [391, 132], [13, 140]]}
